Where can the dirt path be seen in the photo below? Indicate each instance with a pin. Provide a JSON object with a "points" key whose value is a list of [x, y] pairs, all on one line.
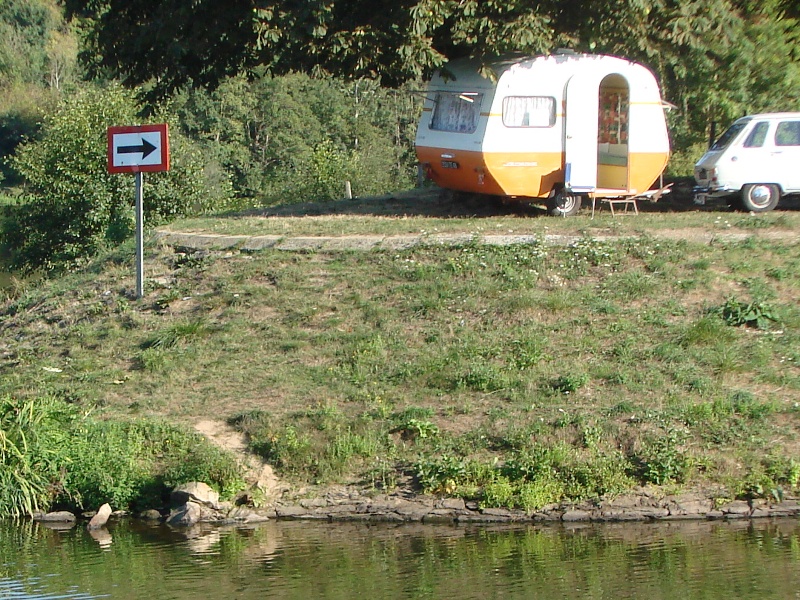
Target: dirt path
{"points": [[258, 474]]}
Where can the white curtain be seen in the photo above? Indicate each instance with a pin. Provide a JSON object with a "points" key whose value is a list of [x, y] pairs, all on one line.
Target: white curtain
{"points": [[529, 111], [456, 112]]}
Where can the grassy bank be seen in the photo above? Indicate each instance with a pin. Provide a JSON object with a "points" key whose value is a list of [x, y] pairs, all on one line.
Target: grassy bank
{"points": [[518, 375]]}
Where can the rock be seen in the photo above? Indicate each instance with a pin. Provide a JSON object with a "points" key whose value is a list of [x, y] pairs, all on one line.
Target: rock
{"points": [[575, 515], [100, 518], [291, 512], [313, 502], [150, 515], [197, 492], [692, 507], [498, 512], [185, 516], [242, 514], [60, 516], [452, 503], [737, 508]]}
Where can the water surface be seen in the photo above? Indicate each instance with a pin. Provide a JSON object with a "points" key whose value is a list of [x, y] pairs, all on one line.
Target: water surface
{"points": [[740, 560]]}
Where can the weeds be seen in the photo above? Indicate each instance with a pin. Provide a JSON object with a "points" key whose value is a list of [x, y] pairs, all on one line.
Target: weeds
{"points": [[51, 454], [749, 314]]}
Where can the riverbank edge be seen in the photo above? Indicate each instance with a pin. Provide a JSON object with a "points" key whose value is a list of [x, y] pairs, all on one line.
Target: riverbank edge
{"points": [[648, 505], [349, 505]]}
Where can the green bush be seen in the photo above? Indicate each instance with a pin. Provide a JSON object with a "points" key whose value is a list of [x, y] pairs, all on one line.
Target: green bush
{"points": [[750, 314], [51, 454], [72, 206], [32, 451]]}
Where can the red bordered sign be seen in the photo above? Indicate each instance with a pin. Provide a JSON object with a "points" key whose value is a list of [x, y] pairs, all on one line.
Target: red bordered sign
{"points": [[137, 149]]}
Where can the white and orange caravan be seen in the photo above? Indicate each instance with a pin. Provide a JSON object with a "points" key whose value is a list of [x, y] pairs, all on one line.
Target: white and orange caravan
{"points": [[558, 128]]}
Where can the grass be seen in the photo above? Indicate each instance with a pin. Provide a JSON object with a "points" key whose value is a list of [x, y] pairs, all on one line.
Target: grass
{"points": [[424, 212], [517, 375]]}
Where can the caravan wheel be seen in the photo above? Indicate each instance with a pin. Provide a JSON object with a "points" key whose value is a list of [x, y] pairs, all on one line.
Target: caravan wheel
{"points": [[564, 203]]}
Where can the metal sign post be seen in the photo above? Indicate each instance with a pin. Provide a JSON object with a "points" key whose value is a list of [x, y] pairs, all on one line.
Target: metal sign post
{"points": [[135, 150], [139, 235]]}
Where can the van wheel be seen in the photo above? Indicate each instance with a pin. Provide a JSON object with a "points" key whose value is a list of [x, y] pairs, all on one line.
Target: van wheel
{"points": [[564, 203], [760, 197]]}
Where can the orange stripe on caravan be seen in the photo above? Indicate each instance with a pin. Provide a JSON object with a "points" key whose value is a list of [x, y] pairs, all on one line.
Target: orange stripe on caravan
{"points": [[527, 174], [498, 173]]}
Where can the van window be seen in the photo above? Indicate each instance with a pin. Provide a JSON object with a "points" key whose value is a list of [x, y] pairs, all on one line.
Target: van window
{"points": [[730, 134], [456, 112], [757, 136], [788, 133], [529, 111]]}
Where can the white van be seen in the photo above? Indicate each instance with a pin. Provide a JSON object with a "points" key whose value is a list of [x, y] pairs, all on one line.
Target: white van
{"points": [[755, 162]]}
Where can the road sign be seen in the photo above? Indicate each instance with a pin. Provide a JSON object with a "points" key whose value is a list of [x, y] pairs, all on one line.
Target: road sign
{"points": [[137, 149]]}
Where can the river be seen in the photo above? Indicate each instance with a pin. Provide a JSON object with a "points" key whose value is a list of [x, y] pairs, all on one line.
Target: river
{"points": [[738, 559]]}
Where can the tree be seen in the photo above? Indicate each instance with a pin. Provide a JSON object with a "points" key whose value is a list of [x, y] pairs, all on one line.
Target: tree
{"points": [[298, 136], [174, 41], [72, 206]]}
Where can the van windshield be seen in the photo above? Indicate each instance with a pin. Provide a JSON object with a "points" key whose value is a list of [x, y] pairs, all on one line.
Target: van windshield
{"points": [[730, 134]]}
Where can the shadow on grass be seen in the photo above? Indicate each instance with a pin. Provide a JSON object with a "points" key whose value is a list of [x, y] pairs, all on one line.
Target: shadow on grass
{"points": [[434, 202]]}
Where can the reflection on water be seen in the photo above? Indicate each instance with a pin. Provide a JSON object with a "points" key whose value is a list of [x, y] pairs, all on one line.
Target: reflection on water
{"points": [[320, 560]]}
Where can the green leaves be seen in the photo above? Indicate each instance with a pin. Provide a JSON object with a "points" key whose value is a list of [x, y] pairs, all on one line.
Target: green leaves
{"points": [[750, 314], [50, 452], [73, 206]]}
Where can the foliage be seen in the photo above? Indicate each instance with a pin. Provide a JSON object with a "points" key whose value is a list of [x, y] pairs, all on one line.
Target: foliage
{"points": [[377, 365], [751, 314], [299, 138], [51, 454], [73, 205], [30, 455], [716, 60], [320, 445], [663, 459], [530, 478], [37, 46]]}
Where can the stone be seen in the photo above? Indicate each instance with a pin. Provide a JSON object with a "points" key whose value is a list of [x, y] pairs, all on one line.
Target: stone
{"points": [[497, 512], [576, 515], [59, 516], [291, 512], [736, 508], [452, 503], [438, 518], [197, 492], [185, 516], [691, 507], [242, 514], [313, 502], [101, 517], [150, 515]]}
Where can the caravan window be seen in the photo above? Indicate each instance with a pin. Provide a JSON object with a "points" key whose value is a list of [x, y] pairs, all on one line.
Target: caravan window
{"points": [[529, 111], [456, 112]]}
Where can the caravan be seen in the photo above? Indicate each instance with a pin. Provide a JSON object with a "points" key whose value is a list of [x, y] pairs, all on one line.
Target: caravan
{"points": [[558, 128]]}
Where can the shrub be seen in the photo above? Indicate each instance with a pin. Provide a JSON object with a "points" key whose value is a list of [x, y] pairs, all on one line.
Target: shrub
{"points": [[750, 314], [52, 454], [31, 452], [73, 206]]}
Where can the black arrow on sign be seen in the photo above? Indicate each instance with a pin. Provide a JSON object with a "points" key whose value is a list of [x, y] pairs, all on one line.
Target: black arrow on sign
{"points": [[145, 149]]}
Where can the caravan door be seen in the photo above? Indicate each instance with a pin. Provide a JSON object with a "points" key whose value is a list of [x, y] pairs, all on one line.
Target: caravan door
{"points": [[580, 132]]}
